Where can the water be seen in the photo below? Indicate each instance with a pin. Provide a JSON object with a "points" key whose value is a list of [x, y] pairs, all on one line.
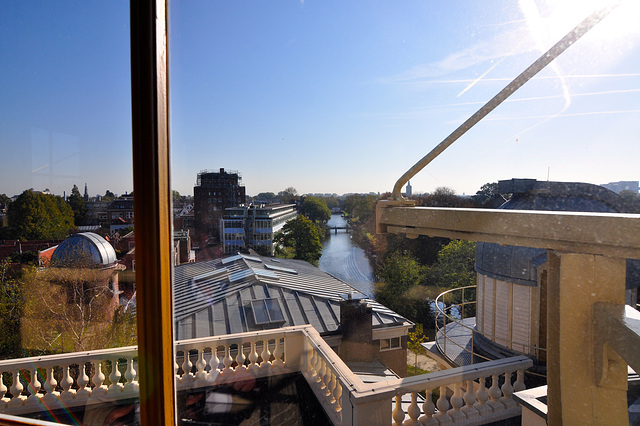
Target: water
{"points": [[344, 260]]}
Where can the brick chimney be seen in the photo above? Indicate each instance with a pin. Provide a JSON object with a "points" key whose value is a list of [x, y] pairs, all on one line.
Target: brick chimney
{"points": [[355, 321]]}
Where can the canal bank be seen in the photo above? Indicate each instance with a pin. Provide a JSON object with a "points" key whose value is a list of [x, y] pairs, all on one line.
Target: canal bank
{"points": [[344, 260]]}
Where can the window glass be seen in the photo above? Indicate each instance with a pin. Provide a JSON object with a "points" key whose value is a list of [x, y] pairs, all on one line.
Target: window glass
{"points": [[66, 215], [321, 106]]}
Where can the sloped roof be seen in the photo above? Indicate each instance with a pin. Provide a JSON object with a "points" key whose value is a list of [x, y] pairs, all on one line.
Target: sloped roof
{"points": [[214, 297]]}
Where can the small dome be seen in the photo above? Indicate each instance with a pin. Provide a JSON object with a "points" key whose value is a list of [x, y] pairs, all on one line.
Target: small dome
{"points": [[84, 249]]}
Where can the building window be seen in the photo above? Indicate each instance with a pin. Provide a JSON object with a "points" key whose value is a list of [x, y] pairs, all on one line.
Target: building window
{"points": [[390, 344]]}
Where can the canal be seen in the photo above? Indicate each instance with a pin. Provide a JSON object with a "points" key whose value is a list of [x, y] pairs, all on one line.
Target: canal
{"points": [[344, 260]]}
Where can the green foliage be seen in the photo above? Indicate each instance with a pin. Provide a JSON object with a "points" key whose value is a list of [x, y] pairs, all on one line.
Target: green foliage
{"points": [[315, 209], [415, 341], [175, 195], [77, 204], [11, 306], [38, 216], [265, 196], [108, 196], [289, 195], [488, 196], [301, 237], [4, 200], [360, 207], [455, 265]]}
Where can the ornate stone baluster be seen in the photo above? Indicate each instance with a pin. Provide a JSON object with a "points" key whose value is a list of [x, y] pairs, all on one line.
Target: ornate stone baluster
{"points": [[227, 361], [507, 392], [240, 358], [3, 391], [429, 409], [50, 387], [16, 390], [114, 377], [413, 411], [313, 359], [66, 383], [130, 376], [456, 403], [266, 356], [337, 396], [176, 367], [519, 386], [99, 388], [319, 369], [443, 407], [482, 396], [253, 358], [327, 381], [187, 365], [201, 365], [83, 381], [470, 399], [331, 384], [398, 414], [214, 362], [322, 372], [277, 353], [495, 394], [33, 387]]}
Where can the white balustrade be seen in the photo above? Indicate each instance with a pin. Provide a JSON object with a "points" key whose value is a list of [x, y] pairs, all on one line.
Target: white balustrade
{"points": [[78, 379]]}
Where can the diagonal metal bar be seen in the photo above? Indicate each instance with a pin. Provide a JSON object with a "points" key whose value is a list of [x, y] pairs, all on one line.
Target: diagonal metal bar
{"points": [[518, 82]]}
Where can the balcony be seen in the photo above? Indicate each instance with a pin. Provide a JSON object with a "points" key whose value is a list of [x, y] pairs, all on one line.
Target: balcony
{"points": [[73, 383]]}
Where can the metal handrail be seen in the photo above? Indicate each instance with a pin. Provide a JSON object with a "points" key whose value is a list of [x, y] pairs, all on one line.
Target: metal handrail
{"points": [[445, 313]]}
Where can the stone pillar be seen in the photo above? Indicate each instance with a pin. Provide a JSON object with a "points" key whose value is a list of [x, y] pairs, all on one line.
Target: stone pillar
{"points": [[575, 283], [355, 321]]}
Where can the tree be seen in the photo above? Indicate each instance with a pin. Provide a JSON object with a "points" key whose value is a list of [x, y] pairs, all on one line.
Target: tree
{"points": [[632, 199], [289, 195], [108, 195], [11, 306], [175, 195], [77, 204], [301, 236], [360, 207], [315, 209], [4, 201], [38, 216], [415, 341], [488, 196], [265, 196]]}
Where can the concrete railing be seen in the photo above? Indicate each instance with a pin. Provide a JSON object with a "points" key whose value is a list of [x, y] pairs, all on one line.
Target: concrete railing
{"points": [[71, 380]]}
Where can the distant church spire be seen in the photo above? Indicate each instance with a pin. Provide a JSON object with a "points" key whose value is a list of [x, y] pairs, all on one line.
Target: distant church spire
{"points": [[86, 192]]}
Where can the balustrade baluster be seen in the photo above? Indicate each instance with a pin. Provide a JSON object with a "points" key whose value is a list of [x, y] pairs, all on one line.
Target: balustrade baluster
{"points": [[253, 357], [187, 365], [507, 392], [277, 353], [331, 384], [495, 394], [470, 399], [429, 409], [398, 413], [66, 383], [176, 367], [319, 369], [83, 381], [337, 396], [312, 364], [519, 386], [3, 390], [214, 363], [443, 407], [130, 376], [240, 358], [227, 361], [98, 380], [16, 390], [50, 387], [114, 377], [413, 411], [33, 387], [266, 356], [456, 403], [482, 396], [201, 364]]}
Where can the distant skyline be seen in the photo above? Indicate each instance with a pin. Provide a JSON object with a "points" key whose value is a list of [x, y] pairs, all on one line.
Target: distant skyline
{"points": [[324, 96]]}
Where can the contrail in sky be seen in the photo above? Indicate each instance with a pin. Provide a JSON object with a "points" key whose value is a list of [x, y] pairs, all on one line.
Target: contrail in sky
{"points": [[473, 83]]}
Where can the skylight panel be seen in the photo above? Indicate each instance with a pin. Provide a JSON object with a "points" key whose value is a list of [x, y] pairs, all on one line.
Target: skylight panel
{"points": [[267, 311], [217, 273]]}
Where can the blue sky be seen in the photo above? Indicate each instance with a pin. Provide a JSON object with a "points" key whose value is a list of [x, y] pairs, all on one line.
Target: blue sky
{"points": [[325, 96]]}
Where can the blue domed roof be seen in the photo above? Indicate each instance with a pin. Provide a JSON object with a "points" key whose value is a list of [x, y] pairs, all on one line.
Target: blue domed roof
{"points": [[84, 249]]}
